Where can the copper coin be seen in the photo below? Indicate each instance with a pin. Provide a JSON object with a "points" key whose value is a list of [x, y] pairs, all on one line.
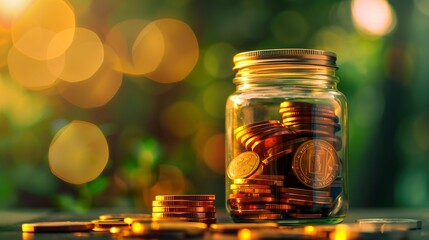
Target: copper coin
{"points": [[301, 191], [304, 202], [274, 157], [195, 197], [269, 138], [270, 176], [257, 181], [245, 186], [318, 199], [290, 124], [315, 163], [182, 203], [256, 124], [250, 206], [249, 195], [183, 209], [250, 132], [305, 215], [279, 206], [265, 216], [252, 191], [309, 113], [252, 200], [244, 165], [312, 119], [184, 215], [252, 211]]}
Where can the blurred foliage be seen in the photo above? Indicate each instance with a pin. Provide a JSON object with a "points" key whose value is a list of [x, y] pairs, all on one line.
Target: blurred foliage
{"points": [[167, 138]]}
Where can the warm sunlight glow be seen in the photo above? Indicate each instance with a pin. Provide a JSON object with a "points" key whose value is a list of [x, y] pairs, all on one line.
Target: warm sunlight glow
{"points": [[373, 17]]}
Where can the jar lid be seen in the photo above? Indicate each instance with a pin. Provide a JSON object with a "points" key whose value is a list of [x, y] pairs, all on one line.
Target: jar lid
{"points": [[288, 55]]}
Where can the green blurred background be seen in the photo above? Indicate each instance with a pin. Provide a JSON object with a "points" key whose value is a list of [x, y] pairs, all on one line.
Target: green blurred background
{"points": [[168, 138]]}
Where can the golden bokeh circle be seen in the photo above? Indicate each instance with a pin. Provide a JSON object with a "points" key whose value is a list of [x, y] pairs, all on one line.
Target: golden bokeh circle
{"points": [[33, 31], [78, 153]]}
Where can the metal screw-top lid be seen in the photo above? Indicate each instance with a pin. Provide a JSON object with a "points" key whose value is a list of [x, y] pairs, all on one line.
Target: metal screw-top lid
{"points": [[290, 56]]}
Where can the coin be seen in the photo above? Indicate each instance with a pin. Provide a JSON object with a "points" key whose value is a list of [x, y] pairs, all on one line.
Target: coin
{"points": [[184, 214], [122, 216], [318, 199], [246, 186], [256, 124], [183, 209], [252, 200], [410, 224], [301, 191], [63, 226], [252, 191], [198, 197], [244, 165], [270, 176], [235, 227], [182, 203], [263, 216], [302, 202], [258, 181], [305, 215], [315, 163], [248, 195]]}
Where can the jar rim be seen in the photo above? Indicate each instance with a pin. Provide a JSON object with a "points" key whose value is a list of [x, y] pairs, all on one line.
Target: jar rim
{"points": [[285, 55]]}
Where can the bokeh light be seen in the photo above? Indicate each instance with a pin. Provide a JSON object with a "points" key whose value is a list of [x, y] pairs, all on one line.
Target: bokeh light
{"points": [[99, 89], [78, 153], [82, 59], [5, 45], [33, 32], [170, 181], [214, 153], [217, 59], [10, 9], [123, 36], [373, 17], [29, 72], [180, 54], [182, 118]]}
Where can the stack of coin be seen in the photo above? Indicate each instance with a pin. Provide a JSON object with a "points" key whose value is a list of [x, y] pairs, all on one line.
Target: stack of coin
{"points": [[310, 118], [192, 208], [287, 168]]}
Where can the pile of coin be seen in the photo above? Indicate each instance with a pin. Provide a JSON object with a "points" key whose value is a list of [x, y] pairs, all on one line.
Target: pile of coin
{"points": [[287, 168], [192, 208]]}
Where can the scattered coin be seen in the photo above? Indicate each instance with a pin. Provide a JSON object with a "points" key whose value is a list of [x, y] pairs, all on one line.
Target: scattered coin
{"points": [[63, 226]]}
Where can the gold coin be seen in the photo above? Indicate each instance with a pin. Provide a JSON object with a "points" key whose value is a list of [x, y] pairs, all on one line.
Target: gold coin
{"points": [[263, 216], [235, 227], [182, 203], [244, 165], [122, 216], [238, 129], [252, 190], [258, 181], [315, 163], [195, 197], [184, 215], [270, 177], [183, 209], [67, 226], [316, 199]]}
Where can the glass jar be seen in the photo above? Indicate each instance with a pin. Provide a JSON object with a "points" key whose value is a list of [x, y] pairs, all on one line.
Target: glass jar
{"points": [[286, 139]]}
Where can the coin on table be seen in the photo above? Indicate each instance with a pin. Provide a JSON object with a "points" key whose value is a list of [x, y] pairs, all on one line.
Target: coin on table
{"points": [[315, 163], [244, 165], [122, 216], [184, 215], [390, 223], [235, 227], [63, 226], [183, 209], [183, 203], [190, 197]]}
